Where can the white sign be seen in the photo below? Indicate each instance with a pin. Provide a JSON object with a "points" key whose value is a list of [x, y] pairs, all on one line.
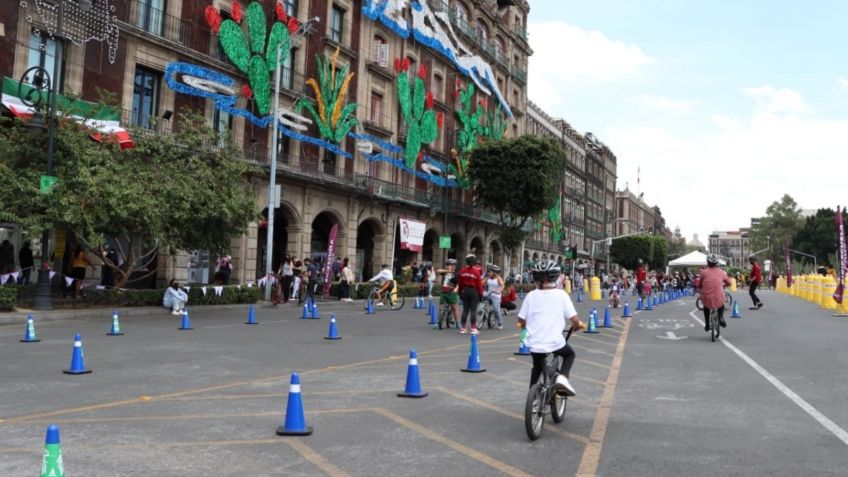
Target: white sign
{"points": [[412, 234]]}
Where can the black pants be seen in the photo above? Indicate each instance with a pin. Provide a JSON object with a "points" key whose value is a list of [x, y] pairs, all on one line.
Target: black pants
{"points": [[311, 285], [508, 305], [752, 290], [470, 300], [707, 315], [286, 284], [344, 289], [568, 356]]}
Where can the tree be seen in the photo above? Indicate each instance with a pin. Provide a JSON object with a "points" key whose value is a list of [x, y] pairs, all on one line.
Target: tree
{"points": [[518, 179], [627, 251], [782, 221], [818, 234], [170, 192]]}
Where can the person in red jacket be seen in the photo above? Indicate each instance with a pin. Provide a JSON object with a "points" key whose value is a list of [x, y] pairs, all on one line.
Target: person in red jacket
{"points": [[641, 279], [470, 281], [509, 296], [756, 279]]}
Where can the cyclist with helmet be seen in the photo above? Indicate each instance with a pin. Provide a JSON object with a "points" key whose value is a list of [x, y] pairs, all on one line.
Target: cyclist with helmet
{"points": [[641, 279], [449, 293], [470, 282], [386, 280], [756, 279], [494, 291], [543, 315], [712, 283]]}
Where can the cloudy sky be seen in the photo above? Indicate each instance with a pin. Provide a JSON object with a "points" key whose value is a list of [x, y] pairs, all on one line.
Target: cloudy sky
{"points": [[725, 105]]}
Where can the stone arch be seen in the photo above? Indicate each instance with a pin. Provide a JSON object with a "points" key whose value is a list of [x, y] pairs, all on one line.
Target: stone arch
{"points": [[457, 250], [430, 251], [321, 225], [370, 247], [496, 254], [287, 225], [478, 247], [535, 257]]}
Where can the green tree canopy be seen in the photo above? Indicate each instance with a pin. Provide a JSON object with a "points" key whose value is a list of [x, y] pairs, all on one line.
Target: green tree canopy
{"points": [[627, 251], [518, 179], [818, 235], [187, 190], [782, 221]]}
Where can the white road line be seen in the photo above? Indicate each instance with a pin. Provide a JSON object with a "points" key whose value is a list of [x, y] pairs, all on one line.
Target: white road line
{"points": [[831, 426]]}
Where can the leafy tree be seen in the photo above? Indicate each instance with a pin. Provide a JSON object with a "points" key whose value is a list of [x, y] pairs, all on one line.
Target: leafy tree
{"points": [[169, 192], [518, 179], [818, 234], [782, 221], [627, 251]]}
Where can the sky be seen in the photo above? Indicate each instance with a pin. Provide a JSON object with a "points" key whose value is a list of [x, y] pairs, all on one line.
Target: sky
{"points": [[724, 106]]}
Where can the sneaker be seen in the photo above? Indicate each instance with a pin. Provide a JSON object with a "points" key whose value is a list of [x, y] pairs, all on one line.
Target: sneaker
{"points": [[500, 326], [176, 313], [759, 305], [564, 387], [379, 303], [753, 308], [722, 323], [462, 331], [475, 331], [707, 327]]}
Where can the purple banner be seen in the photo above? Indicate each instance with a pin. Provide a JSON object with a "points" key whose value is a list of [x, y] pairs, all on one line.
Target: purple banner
{"points": [[788, 268], [328, 263], [840, 230]]}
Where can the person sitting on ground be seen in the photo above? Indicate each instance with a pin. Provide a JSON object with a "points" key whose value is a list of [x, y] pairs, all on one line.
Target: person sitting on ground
{"points": [[386, 279], [175, 298], [509, 296]]}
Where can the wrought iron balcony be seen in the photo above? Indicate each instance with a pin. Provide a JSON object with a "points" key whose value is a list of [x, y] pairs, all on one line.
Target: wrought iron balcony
{"points": [[157, 22]]}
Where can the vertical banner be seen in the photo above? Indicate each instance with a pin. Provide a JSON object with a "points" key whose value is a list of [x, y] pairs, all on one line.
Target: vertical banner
{"points": [[843, 266], [788, 268], [328, 263], [412, 234]]}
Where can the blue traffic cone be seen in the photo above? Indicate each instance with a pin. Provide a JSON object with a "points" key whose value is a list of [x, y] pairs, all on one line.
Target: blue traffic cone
{"points": [[523, 350], [77, 358], [29, 332], [473, 358], [307, 312], [428, 309], [639, 305], [115, 330], [626, 313], [413, 380], [434, 320], [295, 423], [369, 307], [521, 295], [186, 323], [333, 334], [592, 326], [650, 305], [251, 316], [607, 318], [315, 310], [735, 313], [51, 464]]}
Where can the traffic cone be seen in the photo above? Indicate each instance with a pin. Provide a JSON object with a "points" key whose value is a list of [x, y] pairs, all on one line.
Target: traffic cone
{"points": [[251, 316], [434, 320], [333, 334], [369, 307], [650, 306], [116, 325], [626, 313], [735, 313], [523, 350], [315, 310], [29, 332], [51, 464], [639, 305], [77, 358], [429, 308], [592, 326], [607, 318], [473, 358], [306, 311], [521, 294], [295, 422], [413, 380], [186, 323]]}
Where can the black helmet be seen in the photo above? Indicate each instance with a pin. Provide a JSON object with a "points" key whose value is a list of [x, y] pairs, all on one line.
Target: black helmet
{"points": [[450, 261], [752, 259], [545, 270], [712, 260], [470, 259], [495, 268]]}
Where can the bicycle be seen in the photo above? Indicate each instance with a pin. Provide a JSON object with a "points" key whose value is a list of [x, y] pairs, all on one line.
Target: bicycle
{"points": [[446, 318], [541, 395], [614, 300], [391, 298], [715, 330], [728, 301], [485, 313]]}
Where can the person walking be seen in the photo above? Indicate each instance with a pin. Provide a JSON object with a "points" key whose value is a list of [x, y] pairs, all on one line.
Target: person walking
{"points": [[225, 266], [286, 278], [346, 280], [756, 279], [26, 262], [297, 273], [431, 280], [79, 262]]}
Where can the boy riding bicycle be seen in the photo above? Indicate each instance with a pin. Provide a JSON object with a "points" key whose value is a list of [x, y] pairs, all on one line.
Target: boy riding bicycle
{"points": [[543, 314], [386, 280], [449, 293]]}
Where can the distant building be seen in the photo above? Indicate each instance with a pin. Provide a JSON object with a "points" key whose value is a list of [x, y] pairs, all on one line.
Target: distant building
{"points": [[733, 245]]}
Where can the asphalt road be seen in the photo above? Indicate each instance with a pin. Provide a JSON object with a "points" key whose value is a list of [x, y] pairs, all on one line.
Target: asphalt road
{"points": [[166, 402]]}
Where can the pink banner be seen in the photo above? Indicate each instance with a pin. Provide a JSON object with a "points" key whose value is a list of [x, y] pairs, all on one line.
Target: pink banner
{"points": [[328, 263], [840, 230]]}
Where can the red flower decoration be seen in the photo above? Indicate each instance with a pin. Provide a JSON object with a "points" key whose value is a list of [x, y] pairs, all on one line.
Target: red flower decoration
{"points": [[405, 64], [397, 65], [293, 24], [213, 18], [429, 99], [420, 157], [422, 71], [246, 91], [440, 120], [456, 93], [459, 83], [238, 12], [281, 12]]}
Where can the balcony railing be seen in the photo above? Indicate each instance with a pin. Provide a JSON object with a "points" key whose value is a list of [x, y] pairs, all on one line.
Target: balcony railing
{"points": [[545, 245], [519, 74], [438, 6], [158, 23], [521, 32]]}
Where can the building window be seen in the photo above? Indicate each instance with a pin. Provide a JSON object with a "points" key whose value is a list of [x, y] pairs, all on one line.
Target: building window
{"points": [[287, 77], [500, 47], [336, 24], [380, 51], [283, 148], [291, 8], [461, 12], [376, 116], [438, 87], [329, 163], [42, 52], [222, 123], [482, 32], [151, 16], [145, 99]]}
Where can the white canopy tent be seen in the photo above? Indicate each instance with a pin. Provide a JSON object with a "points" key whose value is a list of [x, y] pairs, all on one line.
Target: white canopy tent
{"points": [[692, 259]]}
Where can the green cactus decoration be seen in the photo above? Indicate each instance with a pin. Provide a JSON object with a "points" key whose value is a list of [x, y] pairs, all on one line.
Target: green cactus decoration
{"points": [[333, 117], [468, 137], [555, 216], [250, 54], [495, 125], [416, 106]]}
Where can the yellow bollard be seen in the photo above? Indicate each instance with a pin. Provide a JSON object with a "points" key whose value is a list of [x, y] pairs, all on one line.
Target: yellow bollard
{"points": [[808, 288], [567, 286], [778, 285], [595, 289], [817, 289], [585, 285], [828, 289], [732, 284], [842, 310]]}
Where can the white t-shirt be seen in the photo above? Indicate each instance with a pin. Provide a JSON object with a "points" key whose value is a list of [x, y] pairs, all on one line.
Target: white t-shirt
{"points": [[545, 313]]}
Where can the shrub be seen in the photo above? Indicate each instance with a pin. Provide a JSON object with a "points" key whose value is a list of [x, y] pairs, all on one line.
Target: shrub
{"points": [[8, 296]]}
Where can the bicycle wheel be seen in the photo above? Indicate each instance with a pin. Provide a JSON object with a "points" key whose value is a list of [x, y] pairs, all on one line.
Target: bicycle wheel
{"points": [[490, 317], [728, 299], [698, 304], [558, 407], [713, 324], [443, 316], [395, 302], [534, 416], [371, 298]]}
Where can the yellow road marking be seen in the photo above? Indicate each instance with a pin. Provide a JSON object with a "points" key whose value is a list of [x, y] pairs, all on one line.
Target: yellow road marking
{"points": [[164, 445], [586, 361], [590, 350], [464, 450], [315, 458], [492, 407], [597, 340], [144, 398], [278, 395], [592, 452]]}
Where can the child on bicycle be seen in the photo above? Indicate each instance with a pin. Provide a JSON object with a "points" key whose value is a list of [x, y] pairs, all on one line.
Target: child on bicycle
{"points": [[449, 293], [614, 297], [712, 282], [543, 314], [386, 279]]}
